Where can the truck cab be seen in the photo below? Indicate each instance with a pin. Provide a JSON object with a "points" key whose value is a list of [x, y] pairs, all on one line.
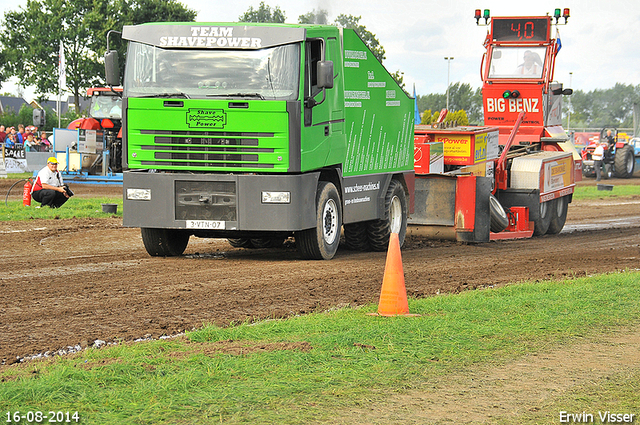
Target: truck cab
{"points": [[260, 132]]}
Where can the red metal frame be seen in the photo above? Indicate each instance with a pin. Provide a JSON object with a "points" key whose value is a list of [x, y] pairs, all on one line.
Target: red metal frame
{"points": [[519, 225]]}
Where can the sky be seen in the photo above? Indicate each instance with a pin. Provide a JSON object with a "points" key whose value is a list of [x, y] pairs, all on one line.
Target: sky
{"points": [[600, 45]]}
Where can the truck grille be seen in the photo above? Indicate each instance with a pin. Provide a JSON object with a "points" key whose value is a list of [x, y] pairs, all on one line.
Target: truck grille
{"points": [[199, 149], [206, 200]]}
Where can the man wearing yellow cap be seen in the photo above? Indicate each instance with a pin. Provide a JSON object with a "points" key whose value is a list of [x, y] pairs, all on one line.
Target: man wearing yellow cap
{"points": [[49, 189]]}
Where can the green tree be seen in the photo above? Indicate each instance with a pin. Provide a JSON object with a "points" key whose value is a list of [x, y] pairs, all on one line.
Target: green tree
{"points": [[432, 102], [458, 117], [370, 39], [32, 34], [141, 11], [398, 76], [314, 17], [603, 107], [353, 22], [263, 14], [461, 97]]}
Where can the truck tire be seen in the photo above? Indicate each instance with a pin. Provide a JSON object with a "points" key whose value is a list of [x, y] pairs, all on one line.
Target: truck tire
{"points": [[267, 242], [558, 215], [321, 242], [543, 221], [164, 242], [607, 171], [499, 219], [356, 236], [624, 162], [394, 221], [240, 242]]}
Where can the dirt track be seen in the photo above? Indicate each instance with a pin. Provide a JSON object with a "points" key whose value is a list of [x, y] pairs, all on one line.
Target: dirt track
{"points": [[69, 282]]}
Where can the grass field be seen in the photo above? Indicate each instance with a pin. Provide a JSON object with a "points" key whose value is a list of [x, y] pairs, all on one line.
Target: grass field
{"points": [[313, 368]]}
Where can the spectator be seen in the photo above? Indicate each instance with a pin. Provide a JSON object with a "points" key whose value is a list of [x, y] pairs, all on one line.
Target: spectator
{"points": [[32, 145], [49, 189], [20, 139], [44, 141], [3, 134], [29, 129], [597, 156], [10, 142]]}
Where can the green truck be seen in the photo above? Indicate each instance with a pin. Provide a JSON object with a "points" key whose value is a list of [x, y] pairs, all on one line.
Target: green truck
{"points": [[259, 132]]}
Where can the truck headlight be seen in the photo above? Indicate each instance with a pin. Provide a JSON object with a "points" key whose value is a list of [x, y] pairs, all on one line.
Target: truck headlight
{"points": [[139, 194], [269, 197]]}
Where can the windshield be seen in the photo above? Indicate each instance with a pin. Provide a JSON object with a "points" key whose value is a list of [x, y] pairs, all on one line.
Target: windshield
{"points": [[106, 106], [517, 62], [272, 74]]}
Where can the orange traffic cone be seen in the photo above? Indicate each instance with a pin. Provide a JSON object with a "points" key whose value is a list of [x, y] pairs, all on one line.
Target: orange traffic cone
{"points": [[393, 297]]}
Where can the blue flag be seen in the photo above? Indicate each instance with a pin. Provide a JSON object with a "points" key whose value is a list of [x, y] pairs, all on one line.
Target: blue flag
{"points": [[416, 117]]}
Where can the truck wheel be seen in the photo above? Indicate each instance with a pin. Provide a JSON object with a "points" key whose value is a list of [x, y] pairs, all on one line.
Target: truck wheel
{"points": [[164, 242], [267, 242], [321, 242], [240, 242], [499, 219], [394, 221], [356, 237], [624, 162], [558, 215], [543, 221]]}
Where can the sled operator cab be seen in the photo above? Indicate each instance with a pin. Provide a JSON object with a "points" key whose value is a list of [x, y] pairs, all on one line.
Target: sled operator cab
{"points": [[518, 76]]}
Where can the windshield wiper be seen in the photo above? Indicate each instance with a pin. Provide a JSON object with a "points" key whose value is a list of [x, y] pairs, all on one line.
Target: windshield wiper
{"points": [[178, 94], [258, 95]]}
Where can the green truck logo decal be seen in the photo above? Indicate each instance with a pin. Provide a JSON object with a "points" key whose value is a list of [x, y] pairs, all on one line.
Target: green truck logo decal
{"points": [[206, 118]]}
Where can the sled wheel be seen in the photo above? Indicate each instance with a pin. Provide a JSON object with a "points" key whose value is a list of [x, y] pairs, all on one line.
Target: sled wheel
{"points": [[543, 221], [558, 215], [499, 219]]}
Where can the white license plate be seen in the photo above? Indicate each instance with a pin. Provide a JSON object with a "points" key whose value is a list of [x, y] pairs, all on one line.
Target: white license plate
{"points": [[205, 224]]}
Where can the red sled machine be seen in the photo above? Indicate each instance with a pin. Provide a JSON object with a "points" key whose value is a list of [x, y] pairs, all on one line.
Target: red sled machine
{"points": [[515, 176]]}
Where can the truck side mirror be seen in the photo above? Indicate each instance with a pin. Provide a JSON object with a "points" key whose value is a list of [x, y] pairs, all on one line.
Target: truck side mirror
{"points": [[325, 74], [112, 68]]}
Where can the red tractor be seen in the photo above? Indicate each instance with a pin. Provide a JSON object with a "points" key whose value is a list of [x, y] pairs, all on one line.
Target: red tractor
{"points": [[619, 159], [106, 117]]}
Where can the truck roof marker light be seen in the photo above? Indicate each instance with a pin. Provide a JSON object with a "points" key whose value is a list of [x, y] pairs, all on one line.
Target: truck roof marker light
{"points": [[486, 16], [515, 94], [506, 94], [565, 14], [477, 16]]}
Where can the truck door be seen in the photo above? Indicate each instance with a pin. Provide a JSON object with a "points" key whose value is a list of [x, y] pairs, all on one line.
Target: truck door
{"points": [[322, 141]]}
